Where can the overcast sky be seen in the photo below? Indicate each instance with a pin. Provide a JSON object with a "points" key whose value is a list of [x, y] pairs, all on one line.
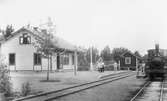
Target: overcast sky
{"points": [[134, 24]]}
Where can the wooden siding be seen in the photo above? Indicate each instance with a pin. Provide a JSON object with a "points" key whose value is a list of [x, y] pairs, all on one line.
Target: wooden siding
{"points": [[24, 54], [133, 61]]}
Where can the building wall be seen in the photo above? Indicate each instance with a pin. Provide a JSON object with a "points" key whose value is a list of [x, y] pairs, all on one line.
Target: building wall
{"points": [[70, 65], [133, 61], [24, 55]]}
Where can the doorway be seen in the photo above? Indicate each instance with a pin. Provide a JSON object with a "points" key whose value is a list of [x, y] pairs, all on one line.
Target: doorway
{"points": [[58, 61]]}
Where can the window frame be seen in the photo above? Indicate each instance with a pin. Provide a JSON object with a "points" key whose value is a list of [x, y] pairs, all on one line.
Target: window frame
{"points": [[66, 60], [23, 37], [37, 59], [128, 60], [14, 61]]}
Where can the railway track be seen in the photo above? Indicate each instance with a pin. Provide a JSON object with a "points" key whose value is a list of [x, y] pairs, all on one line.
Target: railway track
{"points": [[162, 91], [49, 96], [151, 91]]}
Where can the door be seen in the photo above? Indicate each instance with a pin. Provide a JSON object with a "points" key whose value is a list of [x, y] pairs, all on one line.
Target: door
{"points": [[12, 61], [58, 61]]}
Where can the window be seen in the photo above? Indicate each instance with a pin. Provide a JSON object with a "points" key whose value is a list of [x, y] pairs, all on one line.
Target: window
{"points": [[66, 59], [25, 39], [12, 59], [37, 59], [127, 60]]}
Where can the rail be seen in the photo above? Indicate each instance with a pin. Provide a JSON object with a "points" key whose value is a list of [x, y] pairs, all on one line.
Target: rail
{"points": [[141, 89], [162, 91]]}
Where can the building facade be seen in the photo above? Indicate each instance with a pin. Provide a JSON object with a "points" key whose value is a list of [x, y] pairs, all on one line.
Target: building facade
{"points": [[19, 52], [129, 61]]}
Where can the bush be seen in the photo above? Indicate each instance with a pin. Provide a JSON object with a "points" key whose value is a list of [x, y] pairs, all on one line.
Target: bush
{"points": [[26, 89], [83, 68], [130, 68], [5, 84], [109, 68]]}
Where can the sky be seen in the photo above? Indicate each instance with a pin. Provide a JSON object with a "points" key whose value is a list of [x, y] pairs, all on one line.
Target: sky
{"points": [[133, 24]]}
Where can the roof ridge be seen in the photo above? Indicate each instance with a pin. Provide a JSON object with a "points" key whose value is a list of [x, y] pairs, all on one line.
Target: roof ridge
{"points": [[130, 53]]}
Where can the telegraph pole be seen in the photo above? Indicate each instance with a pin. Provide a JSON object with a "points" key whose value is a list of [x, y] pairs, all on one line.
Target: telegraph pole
{"points": [[137, 69], [91, 58], [76, 62], [119, 65]]}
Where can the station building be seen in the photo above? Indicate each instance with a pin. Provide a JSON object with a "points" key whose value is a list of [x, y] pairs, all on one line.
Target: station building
{"points": [[19, 53]]}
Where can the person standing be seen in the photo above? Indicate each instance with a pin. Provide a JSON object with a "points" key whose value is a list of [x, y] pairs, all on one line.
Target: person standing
{"points": [[102, 66], [99, 65], [143, 67], [115, 66]]}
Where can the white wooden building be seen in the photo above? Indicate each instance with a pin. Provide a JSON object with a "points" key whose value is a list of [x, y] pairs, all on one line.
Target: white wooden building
{"points": [[19, 53]]}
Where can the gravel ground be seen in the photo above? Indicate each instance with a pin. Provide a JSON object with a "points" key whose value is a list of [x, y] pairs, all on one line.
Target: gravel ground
{"points": [[62, 79], [120, 90]]}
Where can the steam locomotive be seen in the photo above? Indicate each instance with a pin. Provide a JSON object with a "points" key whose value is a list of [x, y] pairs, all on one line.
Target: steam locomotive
{"points": [[155, 64]]}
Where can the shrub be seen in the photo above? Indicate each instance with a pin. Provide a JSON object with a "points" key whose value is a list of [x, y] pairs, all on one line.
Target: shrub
{"points": [[132, 68], [83, 68], [25, 89], [109, 68], [5, 84]]}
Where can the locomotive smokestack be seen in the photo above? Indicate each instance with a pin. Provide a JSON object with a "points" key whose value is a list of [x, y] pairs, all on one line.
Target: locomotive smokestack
{"points": [[157, 49]]}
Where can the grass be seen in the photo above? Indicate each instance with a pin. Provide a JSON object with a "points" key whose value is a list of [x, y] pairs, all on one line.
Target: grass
{"points": [[120, 90], [50, 80]]}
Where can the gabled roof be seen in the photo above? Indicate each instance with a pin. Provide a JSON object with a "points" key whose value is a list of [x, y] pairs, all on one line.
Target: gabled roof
{"points": [[131, 54], [57, 41], [18, 32]]}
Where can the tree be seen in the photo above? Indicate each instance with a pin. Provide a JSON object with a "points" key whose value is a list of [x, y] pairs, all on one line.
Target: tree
{"points": [[106, 54], [117, 52], [46, 48], [145, 57], [84, 57], [137, 54], [95, 55], [45, 44], [82, 61], [8, 31], [5, 84]]}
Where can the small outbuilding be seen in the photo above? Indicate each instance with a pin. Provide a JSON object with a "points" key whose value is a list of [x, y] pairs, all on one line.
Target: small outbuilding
{"points": [[129, 60]]}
